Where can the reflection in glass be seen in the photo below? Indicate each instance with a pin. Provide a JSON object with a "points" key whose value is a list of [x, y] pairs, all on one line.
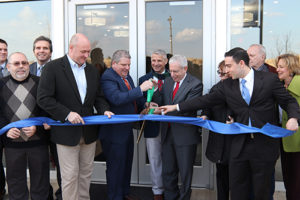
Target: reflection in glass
{"points": [[106, 26], [280, 27], [22, 22], [176, 27]]}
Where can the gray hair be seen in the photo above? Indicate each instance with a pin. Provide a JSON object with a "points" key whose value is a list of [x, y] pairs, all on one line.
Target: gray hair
{"points": [[181, 60], [161, 53], [262, 49], [9, 57], [120, 54]]}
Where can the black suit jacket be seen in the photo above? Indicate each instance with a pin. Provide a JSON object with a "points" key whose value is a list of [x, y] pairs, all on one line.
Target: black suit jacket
{"points": [[267, 90], [191, 87], [58, 95]]}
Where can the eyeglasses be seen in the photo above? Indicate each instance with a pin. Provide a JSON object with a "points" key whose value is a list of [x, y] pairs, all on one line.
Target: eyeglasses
{"points": [[17, 64], [221, 73]]}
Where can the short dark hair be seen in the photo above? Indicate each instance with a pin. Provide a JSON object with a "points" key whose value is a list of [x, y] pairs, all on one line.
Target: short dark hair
{"points": [[238, 54], [43, 38], [3, 41]]}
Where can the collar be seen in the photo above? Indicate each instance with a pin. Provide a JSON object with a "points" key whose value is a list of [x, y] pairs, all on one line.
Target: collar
{"points": [[249, 77], [74, 64]]}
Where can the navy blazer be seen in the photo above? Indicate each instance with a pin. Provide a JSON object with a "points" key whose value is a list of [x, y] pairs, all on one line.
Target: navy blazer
{"points": [[151, 127], [121, 101]]}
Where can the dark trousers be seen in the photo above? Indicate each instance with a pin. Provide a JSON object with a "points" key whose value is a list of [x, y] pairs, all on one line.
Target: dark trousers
{"points": [[290, 162], [2, 174], [246, 171], [53, 153], [119, 159], [177, 159], [222, 181], [37, 160]]}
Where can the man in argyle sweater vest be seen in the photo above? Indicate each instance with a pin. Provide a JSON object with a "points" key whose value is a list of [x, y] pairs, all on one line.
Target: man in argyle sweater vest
{"points": [[27, 145]]}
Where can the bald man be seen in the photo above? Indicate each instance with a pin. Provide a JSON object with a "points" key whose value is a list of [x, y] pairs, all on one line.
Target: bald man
{"points": [[69, 89]]}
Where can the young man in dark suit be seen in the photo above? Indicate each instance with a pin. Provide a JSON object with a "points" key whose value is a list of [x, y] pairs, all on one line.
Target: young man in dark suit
{"points": [[251, 96], [179, 141], [117, 140], [69, 89]]}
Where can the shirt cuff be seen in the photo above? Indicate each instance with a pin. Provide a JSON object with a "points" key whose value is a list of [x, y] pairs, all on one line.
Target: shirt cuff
{"points": [[177, 107]]}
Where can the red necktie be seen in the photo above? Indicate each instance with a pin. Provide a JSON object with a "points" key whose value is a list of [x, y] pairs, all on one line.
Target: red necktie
{"points": [[159, 84], [129, 88], [126, 83], [175, 90]]}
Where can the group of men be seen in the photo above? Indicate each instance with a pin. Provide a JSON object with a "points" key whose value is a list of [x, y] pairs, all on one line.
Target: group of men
{"points": [[70, 88]]}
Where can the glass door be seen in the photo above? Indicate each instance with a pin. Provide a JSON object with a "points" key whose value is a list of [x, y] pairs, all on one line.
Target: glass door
{"points": [[109, 27], [176, 27]]}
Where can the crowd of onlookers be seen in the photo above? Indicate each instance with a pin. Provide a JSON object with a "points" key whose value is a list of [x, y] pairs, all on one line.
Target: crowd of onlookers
{"points": [[250, 92]]}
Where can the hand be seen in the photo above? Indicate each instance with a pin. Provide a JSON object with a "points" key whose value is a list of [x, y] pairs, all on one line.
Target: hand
{"points": [[109, 114], [167, 108], [146, 85], [29, 131], [292, 124], [46, 126], [204, 117], [75, 118], [13, 133], [231, 120]]}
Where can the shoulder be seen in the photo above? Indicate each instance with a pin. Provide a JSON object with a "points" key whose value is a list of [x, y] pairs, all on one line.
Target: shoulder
{"points": [[145, 77], [32, 65]]}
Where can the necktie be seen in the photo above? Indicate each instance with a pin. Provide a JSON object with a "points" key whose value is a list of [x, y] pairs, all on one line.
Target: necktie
{"points": [[175, 90], [129, 88], [159, 84], [126, 83], [245, 92]]}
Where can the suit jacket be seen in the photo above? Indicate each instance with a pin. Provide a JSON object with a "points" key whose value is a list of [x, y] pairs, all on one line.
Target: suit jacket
{"points": [[151, 127], [218, 145], [5, 71], [267, 90], [58, 95], [33, 68], [191, 87], [122, 101]]}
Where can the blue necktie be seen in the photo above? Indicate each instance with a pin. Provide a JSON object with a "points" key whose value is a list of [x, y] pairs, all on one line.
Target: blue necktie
{"points": [[246, 97], [245, 92]]}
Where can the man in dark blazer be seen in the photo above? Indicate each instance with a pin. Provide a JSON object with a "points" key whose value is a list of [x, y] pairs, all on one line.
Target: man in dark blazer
{"points": [[42, 49], [117, 140], [252, 156], [179, 141], [152, 134], [3, 72], [69, 89]]}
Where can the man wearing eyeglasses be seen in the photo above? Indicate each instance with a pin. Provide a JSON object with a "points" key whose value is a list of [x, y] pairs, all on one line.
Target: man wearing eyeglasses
{"points": [[27, 145]]}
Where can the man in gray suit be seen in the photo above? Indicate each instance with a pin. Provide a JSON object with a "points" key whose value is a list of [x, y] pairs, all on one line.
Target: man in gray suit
{"points": [[42, 49], [3, 59], [179, 141]]}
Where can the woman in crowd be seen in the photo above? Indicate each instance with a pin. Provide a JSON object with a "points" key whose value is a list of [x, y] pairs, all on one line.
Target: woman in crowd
{"points": [[218, 145], [289, 72]]}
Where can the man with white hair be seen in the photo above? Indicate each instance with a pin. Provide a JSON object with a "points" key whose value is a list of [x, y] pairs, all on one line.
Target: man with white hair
{"points": [[257, 55], [179, 141]]}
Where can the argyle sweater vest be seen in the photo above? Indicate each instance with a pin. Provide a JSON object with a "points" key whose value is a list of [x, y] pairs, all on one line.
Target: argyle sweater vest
{"points": [[18, 102]]}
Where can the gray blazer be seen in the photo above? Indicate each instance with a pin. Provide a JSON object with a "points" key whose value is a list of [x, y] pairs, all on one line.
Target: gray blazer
{"points": [[33, 68], [191, 87], [5, 72]]}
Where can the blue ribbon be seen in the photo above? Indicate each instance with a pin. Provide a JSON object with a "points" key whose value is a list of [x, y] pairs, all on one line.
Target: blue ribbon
{"points": [[234, 128]]}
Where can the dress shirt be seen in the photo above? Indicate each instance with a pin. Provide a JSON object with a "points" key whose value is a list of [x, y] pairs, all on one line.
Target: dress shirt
{"points": [[181, 81], [39, 69], [156, 80], [79, 75], [249, 82]]}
